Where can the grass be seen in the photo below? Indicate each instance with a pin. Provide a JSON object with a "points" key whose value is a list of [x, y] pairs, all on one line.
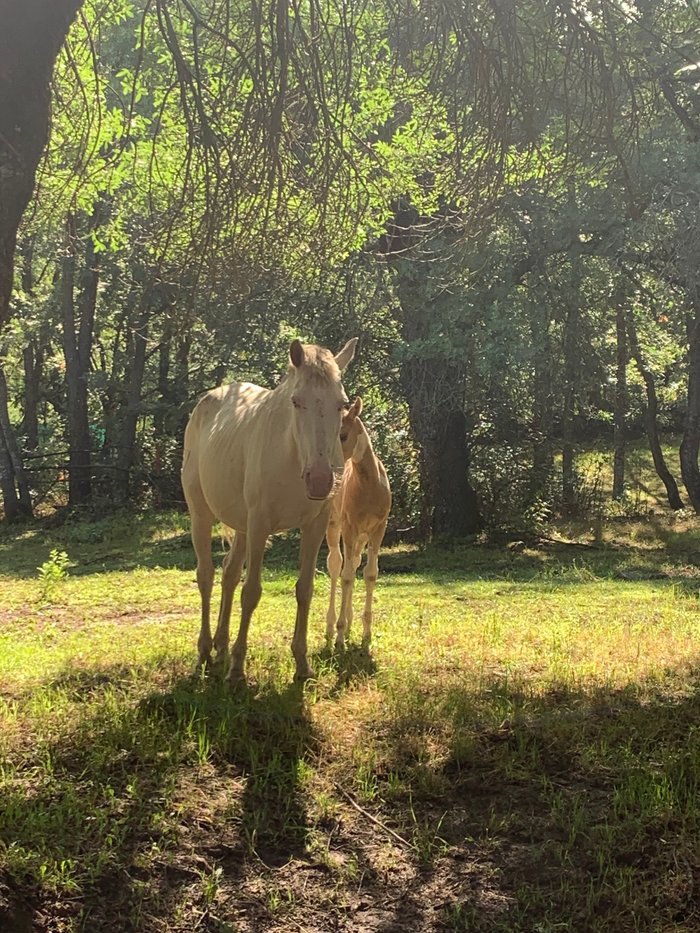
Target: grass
{"points": [[521, 752]]}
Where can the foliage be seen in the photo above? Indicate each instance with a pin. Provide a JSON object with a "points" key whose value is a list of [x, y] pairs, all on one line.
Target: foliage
{"points": [[469, 193], [52, 574]]}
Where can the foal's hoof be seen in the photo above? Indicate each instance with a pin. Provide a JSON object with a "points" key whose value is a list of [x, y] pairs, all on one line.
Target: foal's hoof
{"points": [[306, 673]]}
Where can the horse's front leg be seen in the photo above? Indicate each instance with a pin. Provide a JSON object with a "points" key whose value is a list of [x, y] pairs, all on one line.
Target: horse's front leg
{"points": [[352, 555], [311, 537], [250, 596]]}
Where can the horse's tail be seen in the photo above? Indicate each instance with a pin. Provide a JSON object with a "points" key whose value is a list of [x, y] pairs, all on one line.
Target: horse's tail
{"points": [[227, 535]]}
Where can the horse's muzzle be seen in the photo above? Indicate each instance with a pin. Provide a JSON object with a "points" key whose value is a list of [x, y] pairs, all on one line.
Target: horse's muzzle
{"points": [[319, 482]]}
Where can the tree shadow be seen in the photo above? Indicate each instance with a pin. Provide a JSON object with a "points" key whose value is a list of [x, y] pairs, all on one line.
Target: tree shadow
{"points": [[121, 543], [102, 805], [521, 809], [572, 812]]}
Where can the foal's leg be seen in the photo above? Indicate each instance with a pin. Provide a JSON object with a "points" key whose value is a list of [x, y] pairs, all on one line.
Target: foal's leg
{"points": [[230, 577], [202, 522], [334, 563], [250, 597], [311, 537], [370, 574], [352, 555]]}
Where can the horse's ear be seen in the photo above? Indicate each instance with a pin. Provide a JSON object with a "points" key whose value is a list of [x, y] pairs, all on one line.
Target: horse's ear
{"points": [[355, 409], [344, 356], [296, 353]]}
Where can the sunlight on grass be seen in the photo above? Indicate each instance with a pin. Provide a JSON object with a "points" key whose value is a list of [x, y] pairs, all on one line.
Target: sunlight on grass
{"points": [[549, 696]]}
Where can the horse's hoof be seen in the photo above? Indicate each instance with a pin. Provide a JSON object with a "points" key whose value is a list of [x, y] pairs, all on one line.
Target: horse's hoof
{"points": [[302, 676], [221, 662], [237, 680]]}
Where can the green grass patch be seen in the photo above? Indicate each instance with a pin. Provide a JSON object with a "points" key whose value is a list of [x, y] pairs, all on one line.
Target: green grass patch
{"points": [[520, 752]]}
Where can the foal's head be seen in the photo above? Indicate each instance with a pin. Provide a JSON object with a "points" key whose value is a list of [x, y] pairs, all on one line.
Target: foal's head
{"points": [[318, 402], [350, 428]]}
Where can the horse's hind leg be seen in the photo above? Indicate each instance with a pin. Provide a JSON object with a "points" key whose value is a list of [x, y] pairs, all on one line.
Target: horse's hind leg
{"points": [[352, 555], [202, 522], [250, 597], [230, 577]]}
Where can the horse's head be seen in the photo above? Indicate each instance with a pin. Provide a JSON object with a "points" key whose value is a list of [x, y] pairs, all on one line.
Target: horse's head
{"points": [[350, 428], [318, 402]]}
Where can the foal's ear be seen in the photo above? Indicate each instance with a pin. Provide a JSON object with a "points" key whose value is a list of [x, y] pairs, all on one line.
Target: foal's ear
{"points": [[344, 356], [355, 409], [296, 353]]}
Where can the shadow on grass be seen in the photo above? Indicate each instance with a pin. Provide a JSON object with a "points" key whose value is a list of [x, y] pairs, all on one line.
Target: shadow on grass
{"points": [[354, 664], [127, 541], [100, 816], [570, 809], [122, 543]]}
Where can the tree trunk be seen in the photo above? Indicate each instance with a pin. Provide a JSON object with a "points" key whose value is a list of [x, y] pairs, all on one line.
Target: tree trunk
{"points": [[620, 411], [541, 432], [130, 416], [571, 365], [164, 393], [77, 345], [13, 452], [450, 505], [112, 396], [31, 34], [180, 389], [691, 436], [455, 505], [650, 419], [32, 379], [10, 499], [433, 387]]}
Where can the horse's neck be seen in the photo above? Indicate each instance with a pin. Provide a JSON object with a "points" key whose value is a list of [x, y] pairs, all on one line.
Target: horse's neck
{"points": [[365, 462]]}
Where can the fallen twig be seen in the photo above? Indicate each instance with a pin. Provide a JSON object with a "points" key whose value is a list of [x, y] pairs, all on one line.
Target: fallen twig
{"points": [[351, 800]]}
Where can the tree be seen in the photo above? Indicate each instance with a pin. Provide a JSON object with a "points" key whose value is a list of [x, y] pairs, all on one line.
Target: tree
{"points": [[31, 35]]}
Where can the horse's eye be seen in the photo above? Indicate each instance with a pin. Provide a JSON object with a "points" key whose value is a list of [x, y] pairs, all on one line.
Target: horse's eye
{"points": [[295, 402], [343, 438]]}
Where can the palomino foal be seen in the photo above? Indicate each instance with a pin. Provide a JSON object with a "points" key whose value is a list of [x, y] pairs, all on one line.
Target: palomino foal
{"points": [[262, 461], [359, 515]]}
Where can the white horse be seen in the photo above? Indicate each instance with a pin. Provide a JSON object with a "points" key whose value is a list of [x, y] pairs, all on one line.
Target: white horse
{"points": [[262, 461], [359, 514]]}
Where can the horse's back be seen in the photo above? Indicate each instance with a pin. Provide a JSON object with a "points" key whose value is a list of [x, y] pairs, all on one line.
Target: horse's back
{"points": [[218, 438]]}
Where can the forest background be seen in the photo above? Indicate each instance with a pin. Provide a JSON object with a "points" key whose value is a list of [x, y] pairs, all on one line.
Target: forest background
{"points": [[500, 199]]}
